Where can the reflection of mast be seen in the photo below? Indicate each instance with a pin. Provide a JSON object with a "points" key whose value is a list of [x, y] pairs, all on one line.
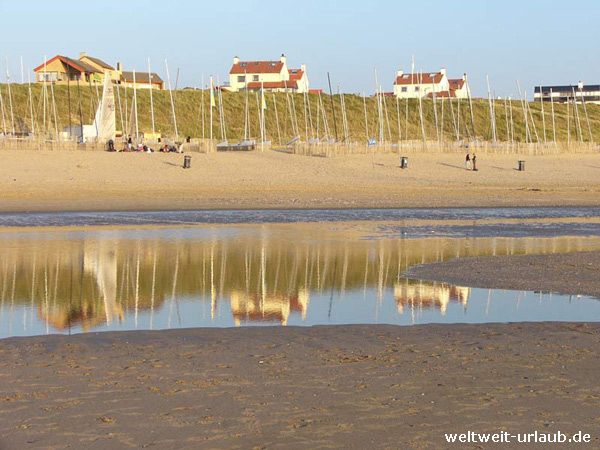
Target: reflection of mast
{"points": [[153, 289], [213, 297], [102, 263]]}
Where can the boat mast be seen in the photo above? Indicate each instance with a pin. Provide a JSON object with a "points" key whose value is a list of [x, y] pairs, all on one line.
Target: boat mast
{"points": [[151, 100], [172, 102]]}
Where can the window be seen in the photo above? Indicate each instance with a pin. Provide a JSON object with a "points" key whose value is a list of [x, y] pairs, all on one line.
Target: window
{"points": [[417, 88], [404, 89], [243, 64], [254, 77], [49, 76], [241, 79]]}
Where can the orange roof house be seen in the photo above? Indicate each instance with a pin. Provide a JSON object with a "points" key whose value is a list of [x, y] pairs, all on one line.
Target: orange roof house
{"points": [[271, 75]]}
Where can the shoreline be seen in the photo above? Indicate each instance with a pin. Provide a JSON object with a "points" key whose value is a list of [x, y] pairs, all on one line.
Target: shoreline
{"points": [[572, 273]]}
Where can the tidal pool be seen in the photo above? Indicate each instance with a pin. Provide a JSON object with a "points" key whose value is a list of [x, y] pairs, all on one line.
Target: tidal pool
{"points": [[226, 276]]}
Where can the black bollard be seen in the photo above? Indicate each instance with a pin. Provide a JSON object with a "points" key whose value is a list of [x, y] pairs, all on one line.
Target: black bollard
{"points": [[404, 162], [187, 162], [521, 166]]}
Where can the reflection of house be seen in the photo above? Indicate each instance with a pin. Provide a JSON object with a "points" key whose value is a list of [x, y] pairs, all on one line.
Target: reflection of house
{"points": [[429, 295], [274, 308], [271, 75]]}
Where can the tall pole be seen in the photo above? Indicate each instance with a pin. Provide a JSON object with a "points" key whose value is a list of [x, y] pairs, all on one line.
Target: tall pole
{"points": [[30, 102], [12, 116], [151, 100], [69, 99], [491, 110], [332, 107], [135, 108], [202, 104], [172, 102], [543, 113], [553, 121]]}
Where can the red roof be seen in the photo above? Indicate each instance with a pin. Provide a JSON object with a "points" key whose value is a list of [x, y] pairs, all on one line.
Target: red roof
{"points": [[296, 74], [457, 83], [417, 78], [445, 94], [76, 64], [273, 84], [256, 67]]}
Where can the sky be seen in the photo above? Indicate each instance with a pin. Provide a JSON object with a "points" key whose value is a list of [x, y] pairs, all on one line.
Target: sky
{"points": [[535, 42]]}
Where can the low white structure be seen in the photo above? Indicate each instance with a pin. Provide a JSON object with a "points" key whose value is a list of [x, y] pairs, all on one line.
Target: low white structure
{"points": [[579, 93], [429, 84], [273, 76]]}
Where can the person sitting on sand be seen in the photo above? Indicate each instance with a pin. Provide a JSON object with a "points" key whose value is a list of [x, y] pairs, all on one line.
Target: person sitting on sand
{"points": [[468, 162]]}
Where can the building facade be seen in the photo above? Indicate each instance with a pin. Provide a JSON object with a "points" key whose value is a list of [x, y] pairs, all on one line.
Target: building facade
{"points": [[88, 69], [426, 85], [589, 93], [273, 76]]}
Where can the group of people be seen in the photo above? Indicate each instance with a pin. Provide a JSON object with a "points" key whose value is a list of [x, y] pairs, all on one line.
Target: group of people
{"points": [[471, 162], [129, 147]]}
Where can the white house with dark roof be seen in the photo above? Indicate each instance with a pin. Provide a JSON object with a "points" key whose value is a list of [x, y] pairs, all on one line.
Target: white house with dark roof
{"points": [[428, 84], [588, 93], [273, 76]]}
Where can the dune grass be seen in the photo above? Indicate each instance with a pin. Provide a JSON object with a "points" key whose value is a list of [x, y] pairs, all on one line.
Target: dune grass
{"points": [[401, 120]]}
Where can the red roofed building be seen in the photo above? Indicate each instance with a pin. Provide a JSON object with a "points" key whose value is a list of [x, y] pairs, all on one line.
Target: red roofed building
{"points": [[274, 76], [426, 85]]}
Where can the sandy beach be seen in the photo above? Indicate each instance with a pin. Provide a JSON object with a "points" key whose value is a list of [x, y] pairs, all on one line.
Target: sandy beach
{"points": [[295, 388], [33, 180], [374, 386], [566, 273]]}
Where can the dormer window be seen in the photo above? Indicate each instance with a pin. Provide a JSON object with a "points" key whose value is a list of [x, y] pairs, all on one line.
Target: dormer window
{"points": [[273, 64], [243, 64]]}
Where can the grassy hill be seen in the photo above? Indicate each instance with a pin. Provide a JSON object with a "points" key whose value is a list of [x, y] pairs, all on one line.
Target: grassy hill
{"points": [[289, 110]]}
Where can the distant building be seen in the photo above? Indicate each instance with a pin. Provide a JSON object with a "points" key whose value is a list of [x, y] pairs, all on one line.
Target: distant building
{"points": [[425, 85], [142, 80], [62, 70], [273, 76], [572, 93]]}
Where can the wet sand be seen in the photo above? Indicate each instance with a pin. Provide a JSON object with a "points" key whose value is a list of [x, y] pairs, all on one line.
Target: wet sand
{"points": [[379, 387], [566, 273], [32, 180]]}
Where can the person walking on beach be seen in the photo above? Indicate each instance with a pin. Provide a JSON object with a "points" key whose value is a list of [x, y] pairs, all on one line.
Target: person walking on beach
{"points": [[468, 162], [474, 159]]}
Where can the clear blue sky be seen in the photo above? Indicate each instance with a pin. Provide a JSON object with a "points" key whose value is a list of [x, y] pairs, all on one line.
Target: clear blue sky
{"points": [[538, 42]]}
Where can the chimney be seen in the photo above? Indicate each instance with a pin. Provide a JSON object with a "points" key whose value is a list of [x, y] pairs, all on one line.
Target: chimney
{"points": [[443, 71], [303, 67], [82, 55], [119, 67], [464, 77], [236, 60], [580, 85], [283, 58], [399, 73]]}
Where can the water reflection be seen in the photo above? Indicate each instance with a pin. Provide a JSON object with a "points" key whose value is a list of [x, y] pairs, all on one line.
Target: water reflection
{"points": [[250, 276]]}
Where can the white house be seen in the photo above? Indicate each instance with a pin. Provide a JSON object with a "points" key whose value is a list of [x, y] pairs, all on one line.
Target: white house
{"points": [[579, 93], [427, 84], [273, 76]]}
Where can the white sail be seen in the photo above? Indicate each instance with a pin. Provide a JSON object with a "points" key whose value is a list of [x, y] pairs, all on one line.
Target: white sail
{"points": [[105, 120]]}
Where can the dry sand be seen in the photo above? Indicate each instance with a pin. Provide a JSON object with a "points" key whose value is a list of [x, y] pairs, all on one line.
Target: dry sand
{"points": [[32, 180], [564, 273], [361, 387]]}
